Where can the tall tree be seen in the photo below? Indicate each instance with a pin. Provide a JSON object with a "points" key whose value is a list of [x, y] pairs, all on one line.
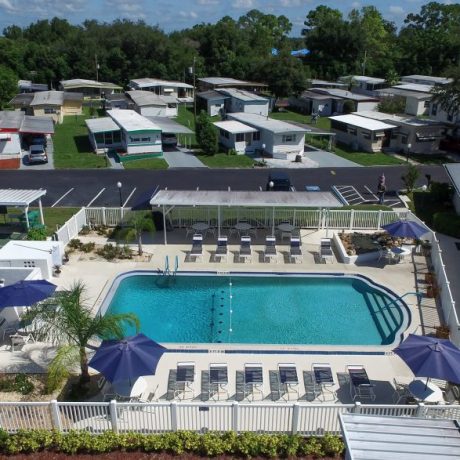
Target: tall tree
{"points": [[8, 85], [448, 96], [206, 134]]}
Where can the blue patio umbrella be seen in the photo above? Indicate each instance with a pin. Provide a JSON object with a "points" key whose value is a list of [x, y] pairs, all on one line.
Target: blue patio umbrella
{"points": [[405, 229], [127, 359], [25, 293], [431, 357]]}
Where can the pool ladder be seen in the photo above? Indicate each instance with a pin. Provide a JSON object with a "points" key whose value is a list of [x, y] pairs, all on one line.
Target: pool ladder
{"points": [[167, 271]]}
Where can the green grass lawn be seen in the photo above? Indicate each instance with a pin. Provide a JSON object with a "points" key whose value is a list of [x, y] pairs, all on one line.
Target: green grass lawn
{"points": [[147, 163], [71, 145], [222, 160], [185, 117], [288, 115]]}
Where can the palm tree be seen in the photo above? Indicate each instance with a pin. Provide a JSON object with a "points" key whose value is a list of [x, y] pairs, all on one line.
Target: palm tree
{"points": [[67, 321], [139, 223]]}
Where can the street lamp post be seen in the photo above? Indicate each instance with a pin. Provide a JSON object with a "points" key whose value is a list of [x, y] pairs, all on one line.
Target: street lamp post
{"points": [[120, 185], [409, 146]]}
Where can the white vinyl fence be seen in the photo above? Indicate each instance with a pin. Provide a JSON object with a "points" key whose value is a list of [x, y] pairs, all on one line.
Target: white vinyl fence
{"points": [[160, 417], [72, 227]]}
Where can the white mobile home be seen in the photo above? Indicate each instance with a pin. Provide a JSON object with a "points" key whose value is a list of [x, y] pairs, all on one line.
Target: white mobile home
{"points": [[180, 90], [276, 138], [151, 105], [245, 101], [361, 133], [238, 136], [213, 102]]}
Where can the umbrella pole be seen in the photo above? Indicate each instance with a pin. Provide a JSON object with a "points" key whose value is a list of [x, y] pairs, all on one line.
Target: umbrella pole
{"points": [[426, 383]]}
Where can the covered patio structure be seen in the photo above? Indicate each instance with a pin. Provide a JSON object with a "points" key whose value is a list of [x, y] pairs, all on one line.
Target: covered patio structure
{"points": [[170, 199], [22, 199]]}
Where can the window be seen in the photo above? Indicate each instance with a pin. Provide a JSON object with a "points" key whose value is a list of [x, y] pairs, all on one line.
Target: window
{"points": [[50, 110], [289, 138], [239, 137], [434, 109], [116, 137], [352, 131], [426, 104], [338, 126], [256, 136], [224, 133], [366, 134], [99, 138]]}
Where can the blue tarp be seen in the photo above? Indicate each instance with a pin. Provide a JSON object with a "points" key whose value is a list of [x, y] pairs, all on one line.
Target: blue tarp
{"points": [[296, 53]]}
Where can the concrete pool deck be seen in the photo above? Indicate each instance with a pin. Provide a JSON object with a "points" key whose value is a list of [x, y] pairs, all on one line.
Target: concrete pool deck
{"points": [[381, 364]]}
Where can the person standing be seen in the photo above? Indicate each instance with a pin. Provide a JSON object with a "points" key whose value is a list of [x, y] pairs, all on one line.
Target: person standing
{"points": [[381, 189]]}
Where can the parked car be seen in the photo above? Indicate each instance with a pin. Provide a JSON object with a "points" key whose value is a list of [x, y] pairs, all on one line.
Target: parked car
{"points": [[37, 154], [279, 182], [169, 139], [39, 140]]}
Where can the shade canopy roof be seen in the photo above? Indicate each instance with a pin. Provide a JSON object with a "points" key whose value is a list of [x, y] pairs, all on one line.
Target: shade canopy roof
{"points": [[18, 197], [245, 198], [167, 125]]}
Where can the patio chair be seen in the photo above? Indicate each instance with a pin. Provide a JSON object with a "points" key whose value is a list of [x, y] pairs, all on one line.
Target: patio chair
{"points": [[323, 379], [7, 327], [295, 250], [185, 378], [19, 340], [245, 248], [325, 250], [402, 392], [253, 380], [387, 256], [360, 386], [221, 248], [288, 380], [270, 251], [218, 380], [197, 246]]}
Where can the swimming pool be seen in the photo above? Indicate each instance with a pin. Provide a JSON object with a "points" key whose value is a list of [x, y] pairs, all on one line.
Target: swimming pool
{"points": [[259, 308]]}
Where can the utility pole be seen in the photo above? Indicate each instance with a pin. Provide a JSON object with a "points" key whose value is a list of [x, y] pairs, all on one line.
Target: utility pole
{"points": [[363, 65], [194, 88], [97, 67]]}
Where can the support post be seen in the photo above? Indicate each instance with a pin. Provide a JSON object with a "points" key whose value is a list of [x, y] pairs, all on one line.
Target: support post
{"points": [[26, 214], [113, 415], [173, 407], [357, 408], [40, 207], [164, 225], [55, 415], [295, 418], [218, 221], [420, 410], [352, 218], [273, 221], [104, 221], [235, 417]]}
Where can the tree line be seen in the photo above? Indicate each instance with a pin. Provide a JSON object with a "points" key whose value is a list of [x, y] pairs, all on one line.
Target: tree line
{"points": [[362, 42]]}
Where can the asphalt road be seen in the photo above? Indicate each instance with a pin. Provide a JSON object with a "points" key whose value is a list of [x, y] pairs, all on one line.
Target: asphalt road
{"points": [[98, 187]]}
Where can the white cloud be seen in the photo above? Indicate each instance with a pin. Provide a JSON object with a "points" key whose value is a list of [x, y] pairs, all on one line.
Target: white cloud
{"points": [[188, 14], [7, 5], [396, 10], [356, 5], [243, 4], [208, 2], [132, 10], [290, 3]]}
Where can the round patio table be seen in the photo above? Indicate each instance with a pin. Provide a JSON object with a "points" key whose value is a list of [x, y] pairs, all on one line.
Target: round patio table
{"points": [[200, 226], [425, 392], [285, 227], [243, 226]]}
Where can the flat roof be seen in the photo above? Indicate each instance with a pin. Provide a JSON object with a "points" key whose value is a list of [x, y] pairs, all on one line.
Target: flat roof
{"points": [[363, 122], [245, 198], [233, 126], [82, 83], [344, 94], [269, 124], [48, 98], [130, 120], [11, 119], [211, 95], [440, 80], [310, 94], [19, 197], [23, 99], [453, 170], [145, 98], [101, 125], [218, 81], [393, 91], [35, 124], [368, 79], [152, 82], [414, 87], [390, 118], [168, 125], [371, 437], [243, 95]]}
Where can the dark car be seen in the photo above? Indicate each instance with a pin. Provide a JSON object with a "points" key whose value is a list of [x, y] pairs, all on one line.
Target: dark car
{"points": [[37, 140], [279, 182]]}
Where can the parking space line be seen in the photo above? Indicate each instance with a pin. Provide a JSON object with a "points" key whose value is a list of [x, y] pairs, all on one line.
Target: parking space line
{"points": [[96, 197], [129, 197], [371, 192], [63, 196]]}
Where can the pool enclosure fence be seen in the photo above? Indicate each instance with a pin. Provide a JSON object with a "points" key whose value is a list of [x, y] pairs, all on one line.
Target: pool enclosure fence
{"points": [[161, 417]]}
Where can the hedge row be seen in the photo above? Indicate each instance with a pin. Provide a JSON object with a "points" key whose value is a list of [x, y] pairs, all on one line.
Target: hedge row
{"points": [[177, 443]]}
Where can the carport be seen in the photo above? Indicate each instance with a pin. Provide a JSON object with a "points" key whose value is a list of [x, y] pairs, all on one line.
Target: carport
{"points": [[22, 199], [169, 199], [169, 126]]}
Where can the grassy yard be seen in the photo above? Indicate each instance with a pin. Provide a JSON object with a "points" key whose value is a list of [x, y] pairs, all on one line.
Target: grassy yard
{"points": [[147, 163], [71, 145], [287, 115], [222, 160], [185, 117]]}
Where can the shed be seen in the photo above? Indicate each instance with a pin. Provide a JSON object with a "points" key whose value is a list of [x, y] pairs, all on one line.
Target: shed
{"points": [[370, 437], [169, 199], [44, 255]]}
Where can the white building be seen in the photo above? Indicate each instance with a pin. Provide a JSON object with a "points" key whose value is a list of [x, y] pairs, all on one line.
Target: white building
{"points": [[150, 104], [213, 102], [361, 133], [244, 101], [425, 80], [367, 85], [275, 138], [179, 90]]}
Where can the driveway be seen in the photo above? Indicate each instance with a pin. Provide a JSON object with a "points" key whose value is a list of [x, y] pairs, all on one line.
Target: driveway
{"points": [[41, 166], [325, 159], [181, 158]]}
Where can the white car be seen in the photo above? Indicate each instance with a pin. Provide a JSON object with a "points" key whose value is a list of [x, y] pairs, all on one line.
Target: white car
{"points": [[169, 139], [37, 154]]}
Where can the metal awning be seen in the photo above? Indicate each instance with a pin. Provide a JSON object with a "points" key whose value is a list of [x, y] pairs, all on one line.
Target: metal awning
{"points": [[170, 126], [245, 199], [369, 437], [17, 197]]}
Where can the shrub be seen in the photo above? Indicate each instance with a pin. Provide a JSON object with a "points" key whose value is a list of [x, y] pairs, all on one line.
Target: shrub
{"points": [[85, 230], [232, 152], [88, 247], [392, 104], [447, 223], [74, 244], [332, 445], [111, 252], [19, 383], [37, 233]]}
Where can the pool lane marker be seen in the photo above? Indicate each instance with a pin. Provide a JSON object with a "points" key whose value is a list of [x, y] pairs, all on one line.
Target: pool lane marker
{"points": [[63, 196], [96, 197]]}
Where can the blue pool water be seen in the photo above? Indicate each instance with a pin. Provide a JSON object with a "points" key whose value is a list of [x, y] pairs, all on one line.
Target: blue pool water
{"points": [[279, 309]]}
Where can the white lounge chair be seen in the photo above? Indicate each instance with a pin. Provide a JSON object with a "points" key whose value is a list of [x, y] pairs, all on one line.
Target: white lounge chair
{"points": [[295, 250], [288, 380], [270, 251], [185, 378], [197, 247], [222, 248], [19, 340], [245, 248], [218, 381], [325, 250], [253, 381]]}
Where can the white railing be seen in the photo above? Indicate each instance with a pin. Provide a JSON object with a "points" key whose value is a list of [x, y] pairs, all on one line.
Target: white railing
{"points": [[72, 227], [160, 417], [109, 217]]}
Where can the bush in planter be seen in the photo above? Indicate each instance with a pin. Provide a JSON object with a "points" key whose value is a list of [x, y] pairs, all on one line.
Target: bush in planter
{"points": [[88, 247], [37, 233]]}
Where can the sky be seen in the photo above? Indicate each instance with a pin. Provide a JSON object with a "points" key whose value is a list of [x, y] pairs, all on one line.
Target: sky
{"points": [[172, 15]]}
